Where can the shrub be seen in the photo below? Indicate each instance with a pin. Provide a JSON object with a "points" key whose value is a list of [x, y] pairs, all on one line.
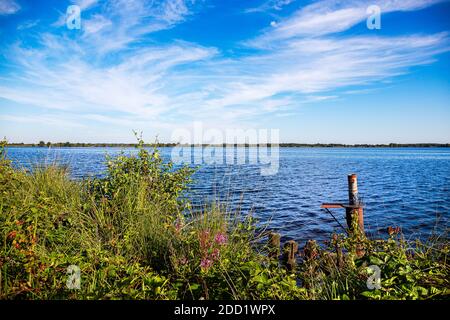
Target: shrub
{"points": [[133, 235], [408, 270]]}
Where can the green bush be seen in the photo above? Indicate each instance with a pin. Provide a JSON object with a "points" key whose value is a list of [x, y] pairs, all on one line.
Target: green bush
{"points": [[133, 235], [408, 270]]}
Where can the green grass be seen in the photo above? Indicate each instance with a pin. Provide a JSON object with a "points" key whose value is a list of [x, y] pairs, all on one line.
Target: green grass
{"points": [[134, 235]]}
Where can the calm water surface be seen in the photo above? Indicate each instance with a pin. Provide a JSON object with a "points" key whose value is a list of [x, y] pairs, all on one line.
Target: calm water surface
{"points": [[409, 187]]}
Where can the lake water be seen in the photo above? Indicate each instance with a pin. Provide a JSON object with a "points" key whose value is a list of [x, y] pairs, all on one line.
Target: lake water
{"points": [[407, 187]]}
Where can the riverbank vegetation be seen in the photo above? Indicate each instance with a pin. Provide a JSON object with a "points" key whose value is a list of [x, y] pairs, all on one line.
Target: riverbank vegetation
{"points": [[134, 235], [43, 144]]}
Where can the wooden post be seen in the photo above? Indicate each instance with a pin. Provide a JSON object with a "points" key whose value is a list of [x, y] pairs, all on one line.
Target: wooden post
{"points": [[353, 200], [274, 244], [310, 250], [290, 253], [356, 212]]}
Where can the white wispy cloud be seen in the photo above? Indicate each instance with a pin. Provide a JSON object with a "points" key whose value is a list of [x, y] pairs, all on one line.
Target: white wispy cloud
{"points": [[8, 7], [54, 80], [118, 23], [270, 5], [95, 24], [54, 121], [331, 16], [85, 4], [314, 66], [106, 75], [28, 24]]}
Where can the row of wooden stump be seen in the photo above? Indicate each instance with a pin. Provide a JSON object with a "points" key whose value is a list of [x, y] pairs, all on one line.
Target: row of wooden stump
{"points": [[290, 250], [355, 223]]}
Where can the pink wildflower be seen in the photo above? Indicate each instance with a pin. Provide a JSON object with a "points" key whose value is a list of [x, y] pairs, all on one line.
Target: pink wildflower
{"points": [[221, 238], [216, 254], [206, 263]]}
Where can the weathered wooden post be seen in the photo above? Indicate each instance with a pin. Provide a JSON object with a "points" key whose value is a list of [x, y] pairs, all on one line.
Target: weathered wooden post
{"points": [[355, 209], [290, 253], [274, 244], [310, 250]]}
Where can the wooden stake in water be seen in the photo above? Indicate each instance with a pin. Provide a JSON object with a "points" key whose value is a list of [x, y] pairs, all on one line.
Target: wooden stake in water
{"points": [[356, 210], [290, 253], [274, 245]]}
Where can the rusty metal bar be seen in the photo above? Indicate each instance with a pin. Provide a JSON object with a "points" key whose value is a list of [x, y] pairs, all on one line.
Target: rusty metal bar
{"points": [[332, 205], [338, 205], [335, 219], [354, 208]]}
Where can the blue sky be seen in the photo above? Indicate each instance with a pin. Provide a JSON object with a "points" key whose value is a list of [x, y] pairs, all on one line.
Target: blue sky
{"points": [[311, 69]]}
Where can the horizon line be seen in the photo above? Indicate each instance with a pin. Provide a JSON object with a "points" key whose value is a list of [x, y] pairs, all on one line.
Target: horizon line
{"points": [[173, 144]]}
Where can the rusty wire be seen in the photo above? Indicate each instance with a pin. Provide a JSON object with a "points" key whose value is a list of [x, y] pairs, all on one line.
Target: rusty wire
{"points": [[336, 219]]}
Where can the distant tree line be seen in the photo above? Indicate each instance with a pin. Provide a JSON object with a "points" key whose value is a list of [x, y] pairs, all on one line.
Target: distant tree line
{"points": [[49, 144]]}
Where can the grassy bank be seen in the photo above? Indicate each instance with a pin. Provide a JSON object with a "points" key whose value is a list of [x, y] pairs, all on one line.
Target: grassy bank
{"points": [[133, 235]]}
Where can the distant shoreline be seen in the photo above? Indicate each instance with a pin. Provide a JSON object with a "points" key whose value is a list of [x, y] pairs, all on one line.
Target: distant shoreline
{"points": [[281, 145]]}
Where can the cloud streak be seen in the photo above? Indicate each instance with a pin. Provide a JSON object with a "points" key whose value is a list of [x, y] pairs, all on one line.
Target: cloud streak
{"points": [[270, 5], [106, 75], [8, 7], [332, 16]]}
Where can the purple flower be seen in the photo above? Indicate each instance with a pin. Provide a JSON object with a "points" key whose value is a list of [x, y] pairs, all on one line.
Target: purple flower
{"points": [[206, 263], [221, 238], [216, 254]]}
